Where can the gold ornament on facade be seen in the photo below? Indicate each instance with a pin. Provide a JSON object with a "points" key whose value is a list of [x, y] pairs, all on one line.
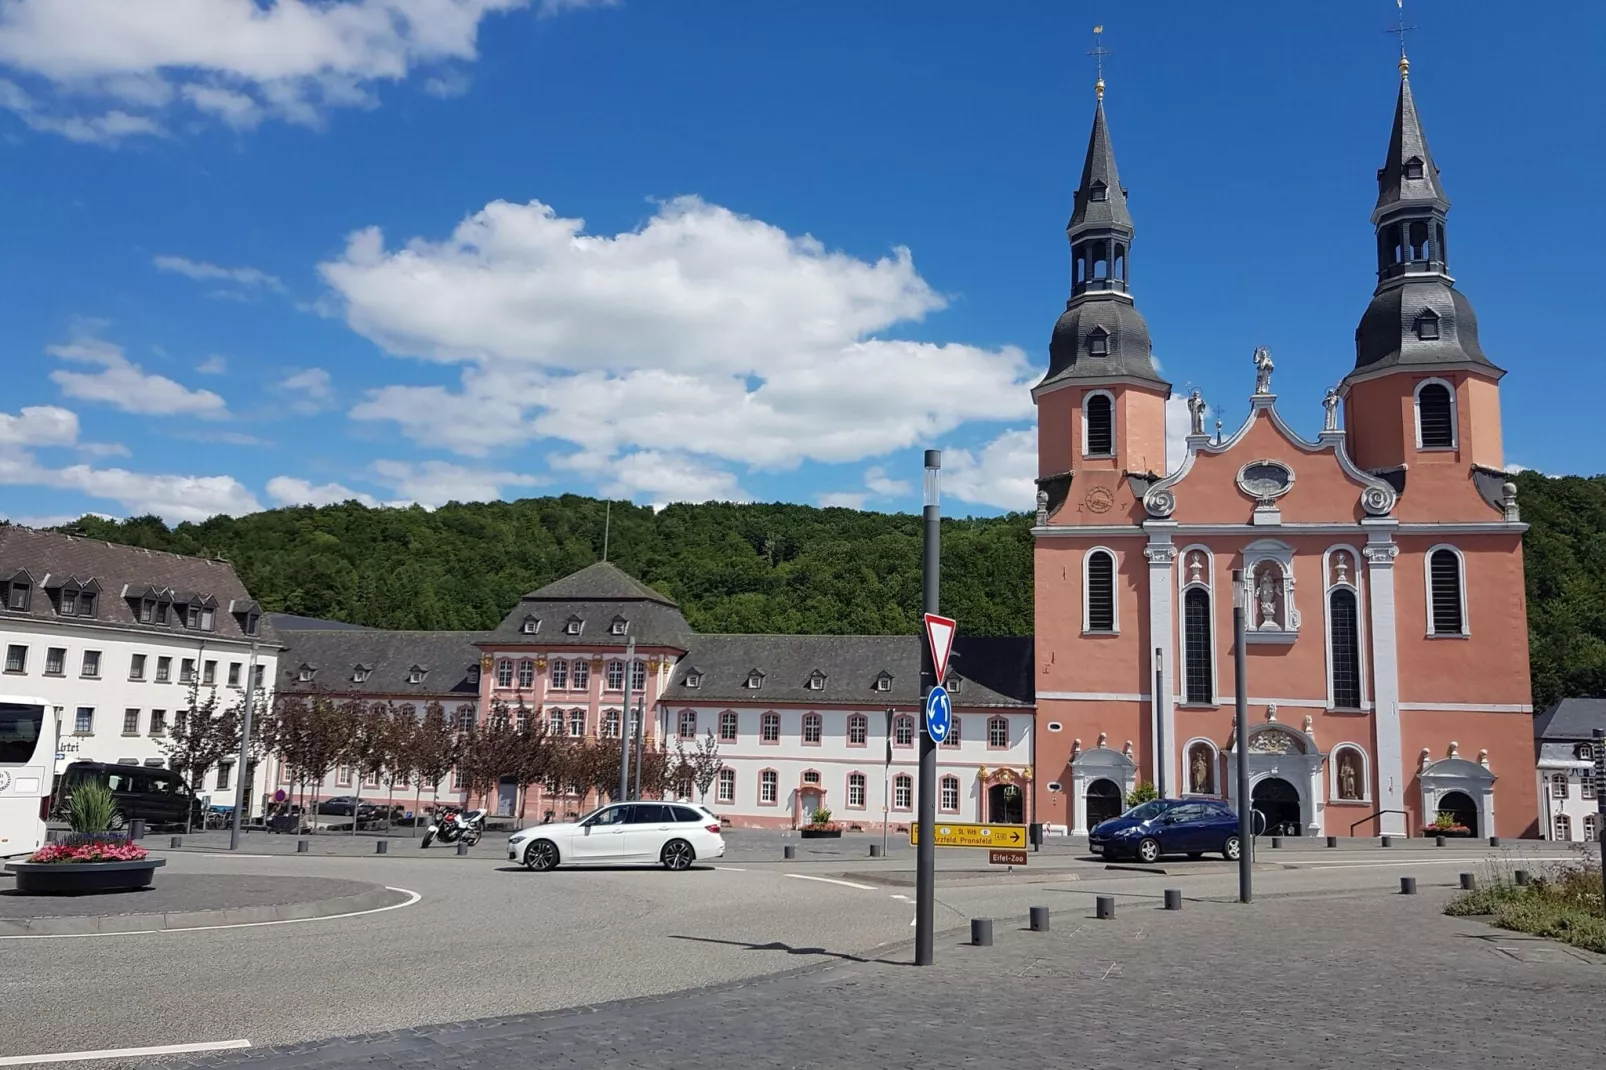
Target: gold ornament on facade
{"points": [[540, 663], [1026, 774], [596, 665], [486, 663], [981, 773]]}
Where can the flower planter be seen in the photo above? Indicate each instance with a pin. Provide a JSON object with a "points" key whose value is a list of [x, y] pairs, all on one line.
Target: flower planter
{"points": [[819, 834], [1453, 831], [83, 878]]}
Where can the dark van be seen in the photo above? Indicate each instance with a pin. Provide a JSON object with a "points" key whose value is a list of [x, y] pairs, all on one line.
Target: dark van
{"points": [[156, 796]]}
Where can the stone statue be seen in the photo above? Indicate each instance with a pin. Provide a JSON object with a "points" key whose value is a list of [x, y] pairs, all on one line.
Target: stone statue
{"points": [[1330, 403], [1042, 508], [1266, 596], [1348, 782], [1196, 408], [1263, 370], [1201, 773]]}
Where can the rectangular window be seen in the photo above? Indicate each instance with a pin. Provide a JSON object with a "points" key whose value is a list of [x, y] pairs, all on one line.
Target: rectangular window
{"points": [[769, 787], [998, 732], [91, 666], [577, 723], [610, 724], [727, 786], [147, 611], [371, 780], [208, 619], [559, 674], [727, 726], [638, 676], [858, 730], [19, 596], [186, 671], [526, 673], [856, 791], [952, 738], [582, 675], [84, 722], [1586, 785], [209, 672], [1200, 678], [234, 674], [55, 661], [86, 604], [16, 658], [903, 792], [225, 773], [688, 724], [616, 675], [256, 677], [130, 722], [164, 670], [192, 617], [903, 731], [158, 722], [950, 795], [770, 728], [69, 603], [811, 728], [343, 776], [136, 667]]}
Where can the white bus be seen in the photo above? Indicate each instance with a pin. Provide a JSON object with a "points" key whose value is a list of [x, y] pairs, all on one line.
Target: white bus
{"points": [[27, 763]]}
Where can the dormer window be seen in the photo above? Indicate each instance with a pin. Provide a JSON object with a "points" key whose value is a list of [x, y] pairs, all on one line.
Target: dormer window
{"points": [[1427, 325], [618, 626], [305, 674], [192, 617], [532, 624], [147, 610], [1413, 167], [883, 682], [1585, 752], [755, 680], [416, 674], [18, 595], [573, 626], [360, 674], [1098, 342], [817, 681], [1098, 191], [953, 685], [253, 622], [694, 679]]}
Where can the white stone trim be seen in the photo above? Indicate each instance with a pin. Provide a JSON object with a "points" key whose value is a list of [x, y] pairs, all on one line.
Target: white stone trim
{"points": [[1115, 592], [1094, 696], [1332, 771], [1161, 555], [1440, 778], [1303, 771], [1469, 707], [1100, 763], [1455, 415], [1280, 553], [1114, 438], [1328, 586], [1216, 772], [1392, 774], [1427, 590], [1118, 531]]}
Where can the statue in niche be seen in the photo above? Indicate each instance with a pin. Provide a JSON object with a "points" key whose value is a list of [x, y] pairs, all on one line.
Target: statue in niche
{"points": [[1266, 598], [1200, 772], [1341, 568], [1330, 404], [1263, 369], [1349, 778], [1196, 410], [1196, 567]]}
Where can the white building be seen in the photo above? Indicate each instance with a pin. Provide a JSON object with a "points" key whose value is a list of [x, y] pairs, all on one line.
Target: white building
{"points": [[1569, 802], [116, 637]]}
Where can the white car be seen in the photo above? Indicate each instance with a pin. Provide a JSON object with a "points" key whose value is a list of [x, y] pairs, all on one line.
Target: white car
{"points": [[673, 835]]}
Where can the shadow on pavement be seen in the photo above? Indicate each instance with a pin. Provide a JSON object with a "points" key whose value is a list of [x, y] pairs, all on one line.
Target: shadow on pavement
{"points": [[777, 945]]}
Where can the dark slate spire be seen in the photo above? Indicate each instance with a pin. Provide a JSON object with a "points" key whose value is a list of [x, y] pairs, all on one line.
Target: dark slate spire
{"points": [[1417, 317], [1101, 335]]}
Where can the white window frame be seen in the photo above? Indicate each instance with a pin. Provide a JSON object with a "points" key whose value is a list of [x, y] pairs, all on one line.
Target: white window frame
{"points": [[1559, 824], [857, 780], [1455, 415], [948, 781], [1328, 587], [1115, 592], [1332, 774], [1206, 583], [1114, 439], [735, 722], [817, 723], [725, 785], [526, 672], [1427, 591], [1009, 734], [905, 784], [769, 783]]}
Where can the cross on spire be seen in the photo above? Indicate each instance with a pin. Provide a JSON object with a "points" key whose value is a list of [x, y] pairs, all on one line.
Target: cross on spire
{"points": [[1098, 52], [1400, 29]]}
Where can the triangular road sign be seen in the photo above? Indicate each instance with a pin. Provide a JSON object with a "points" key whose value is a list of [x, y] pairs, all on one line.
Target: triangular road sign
{"points": [[940, 634]]}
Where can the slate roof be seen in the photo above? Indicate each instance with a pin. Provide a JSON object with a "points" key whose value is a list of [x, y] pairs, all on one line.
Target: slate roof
{"points": [[1099, 167], [300, 623], [594, 597], [1387, 337], [123, 573], [992, 671], [1561, 756], [1571, 719], [389, 657], [1407, 139]]}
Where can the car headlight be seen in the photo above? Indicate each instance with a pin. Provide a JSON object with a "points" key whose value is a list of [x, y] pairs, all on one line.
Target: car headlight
{"points": [[1131, 830], [518, 837]]}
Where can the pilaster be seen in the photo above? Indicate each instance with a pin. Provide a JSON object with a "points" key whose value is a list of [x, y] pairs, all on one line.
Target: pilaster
{"points": [[1392, 774], [1162, 656]]}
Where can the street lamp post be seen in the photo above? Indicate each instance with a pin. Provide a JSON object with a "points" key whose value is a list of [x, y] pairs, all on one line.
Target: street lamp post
{"points": [[243, 769], [1240, 673], [624, 725], [925, 848]]}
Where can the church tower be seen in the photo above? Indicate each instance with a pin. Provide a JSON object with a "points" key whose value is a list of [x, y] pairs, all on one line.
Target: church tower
{"points": [[1423, 398], [1101, 407]]}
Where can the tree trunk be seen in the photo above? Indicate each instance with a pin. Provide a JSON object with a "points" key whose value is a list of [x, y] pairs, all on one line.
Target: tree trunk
{"points": [[418, 804], [356, 799]]}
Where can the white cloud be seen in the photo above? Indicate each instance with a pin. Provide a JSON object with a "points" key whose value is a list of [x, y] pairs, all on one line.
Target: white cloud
{"points": [[200, 270], [879, 482], [1004, 475], [843, 499], [124, 385], [287, 490], [235, 61], [173, 497], [434, 483], [558, 7], [311, 389], [43, 521], [213, 365], [1178, 422], [39, 425], [447, 84], [663, 478], [1514, 469], [104, 449], [701, 334]]}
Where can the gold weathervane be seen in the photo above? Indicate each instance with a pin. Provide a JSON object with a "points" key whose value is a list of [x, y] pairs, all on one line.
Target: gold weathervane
{"points": [[1400, 29], [1098, 53]]}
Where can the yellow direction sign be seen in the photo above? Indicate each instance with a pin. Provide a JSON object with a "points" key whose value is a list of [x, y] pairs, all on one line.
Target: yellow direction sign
{"points": [[953, 835]]}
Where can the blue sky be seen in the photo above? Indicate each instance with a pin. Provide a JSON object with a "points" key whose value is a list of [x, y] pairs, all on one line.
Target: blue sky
{"points": [[268, 253]]}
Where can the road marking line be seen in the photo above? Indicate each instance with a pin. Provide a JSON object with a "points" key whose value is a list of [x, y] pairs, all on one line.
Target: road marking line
{"points": [[1385, 865], [905, 898], [830, 880], [122, 1053], [211, 854], [237, 925], [733, 869]]}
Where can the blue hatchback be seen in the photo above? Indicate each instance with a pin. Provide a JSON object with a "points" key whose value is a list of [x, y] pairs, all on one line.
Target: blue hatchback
{"points": [[1149, 830]]}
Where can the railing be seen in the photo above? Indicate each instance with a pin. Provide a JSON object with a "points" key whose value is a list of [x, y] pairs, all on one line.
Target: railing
{"points": [[1374, 817]]}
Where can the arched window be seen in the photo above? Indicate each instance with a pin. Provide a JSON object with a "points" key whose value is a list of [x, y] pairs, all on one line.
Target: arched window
{"points": [[726, 792], [1099, 574], [1120, 261], [903, 730], [948, 795], [1564, 827], [811, 729], [727, 726], [1446, 593], [504, 673], [1558, 786], [1098, 425], [616, 676], [1435, 414], [856, 791], [769, 729], [1343, 620], [1350, 780], [903, 792], [559, 675], [858, 730], [526, 673], [997, 732], [688, 724], [1196, 647]]}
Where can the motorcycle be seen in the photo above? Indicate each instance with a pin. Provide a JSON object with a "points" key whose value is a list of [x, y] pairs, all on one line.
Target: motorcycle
{"points": [[452, 825]]}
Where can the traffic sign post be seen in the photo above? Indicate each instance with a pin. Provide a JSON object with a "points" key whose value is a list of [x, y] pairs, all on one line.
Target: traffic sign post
{"points": [[1006, 858], [932, 662], [939, 713]]}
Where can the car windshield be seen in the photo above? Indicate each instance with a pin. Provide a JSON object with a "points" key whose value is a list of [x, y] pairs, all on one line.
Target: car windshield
{"points": [[1147, 811]]}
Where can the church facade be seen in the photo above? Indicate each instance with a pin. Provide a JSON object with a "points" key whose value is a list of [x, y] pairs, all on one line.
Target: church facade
{"points": [[1386, 640]]}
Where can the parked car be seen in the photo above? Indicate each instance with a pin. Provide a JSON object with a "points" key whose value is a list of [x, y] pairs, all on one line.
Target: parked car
{"points": [[1151, 830], [155, 796], [343, 806], [673, 835]]}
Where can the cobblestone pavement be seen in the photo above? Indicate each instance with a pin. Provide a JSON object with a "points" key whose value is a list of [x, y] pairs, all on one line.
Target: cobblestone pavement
{"points": [[1369, 980]]}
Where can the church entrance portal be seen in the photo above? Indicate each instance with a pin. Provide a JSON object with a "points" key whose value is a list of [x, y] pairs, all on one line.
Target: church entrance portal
{"points": [[1459, 805], [1006, 804], [1103, 802], [1277, 802]]}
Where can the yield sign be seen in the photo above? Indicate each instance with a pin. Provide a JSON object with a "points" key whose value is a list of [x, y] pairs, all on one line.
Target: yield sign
{"points": [[940, 634]]}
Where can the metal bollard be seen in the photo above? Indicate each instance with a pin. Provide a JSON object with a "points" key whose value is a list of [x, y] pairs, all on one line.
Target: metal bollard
{"points": [[1438, 841], [788, 851], [1276, 841], [1522, 876], [175, 841], [981, 932], [136, 829], [1332, 841], [1407, 885], [462, 849], [1468, 882], [1494, 841], [301, 847], [1104, 907], [875, 850], [1388, 841], [1173, 898], [1038, 919], [381, 847]]}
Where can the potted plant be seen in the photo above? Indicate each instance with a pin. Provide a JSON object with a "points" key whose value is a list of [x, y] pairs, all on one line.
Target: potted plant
{"points": [[820, 827], [92, 859], [1445, 824]]}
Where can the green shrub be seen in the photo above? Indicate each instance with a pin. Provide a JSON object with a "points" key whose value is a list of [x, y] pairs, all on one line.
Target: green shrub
{"points": [[91, 806], [1564, 905], [822, 816], [1144, 792]]}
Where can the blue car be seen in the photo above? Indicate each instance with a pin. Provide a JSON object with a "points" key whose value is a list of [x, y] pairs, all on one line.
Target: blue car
{"points": [[1191, 827]]}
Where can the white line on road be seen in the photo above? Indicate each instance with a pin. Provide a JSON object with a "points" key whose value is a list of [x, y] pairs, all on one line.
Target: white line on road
{"points": [[122, 1053], [733, 869], [905, 898], [830, 880], [1385, 865], [237, 925]]}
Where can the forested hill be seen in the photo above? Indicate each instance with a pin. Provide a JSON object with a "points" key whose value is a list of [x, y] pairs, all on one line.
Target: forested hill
{"points": [[770, 568]]}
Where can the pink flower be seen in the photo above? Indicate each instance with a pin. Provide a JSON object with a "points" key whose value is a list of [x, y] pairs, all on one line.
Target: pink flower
{"points": [[101, 851]]}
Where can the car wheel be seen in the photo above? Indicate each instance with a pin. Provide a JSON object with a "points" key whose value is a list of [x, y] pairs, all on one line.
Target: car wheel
{"points": [[118, 821], [677, 854], [1233, 849], [1149, 851], [541, 855]]}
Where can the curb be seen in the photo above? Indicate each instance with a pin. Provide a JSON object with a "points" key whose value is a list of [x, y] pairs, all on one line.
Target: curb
{"points": [[201, 919]]}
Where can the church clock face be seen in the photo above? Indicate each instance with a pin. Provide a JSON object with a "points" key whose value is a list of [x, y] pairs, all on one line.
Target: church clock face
{"points": [[1099, 500]]}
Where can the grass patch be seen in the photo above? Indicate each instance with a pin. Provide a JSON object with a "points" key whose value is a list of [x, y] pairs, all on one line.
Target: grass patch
{"points": [[1563, 905]]}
